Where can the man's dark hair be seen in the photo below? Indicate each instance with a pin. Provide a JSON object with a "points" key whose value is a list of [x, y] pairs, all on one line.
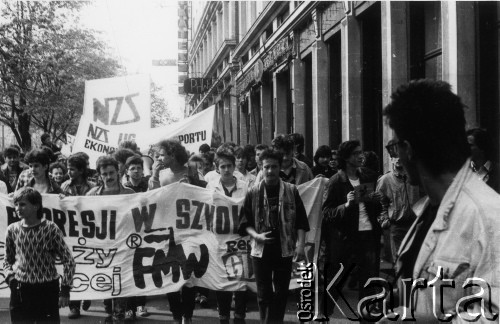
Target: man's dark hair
{"points": [[430, 117], [283, 142], [204, 148], [121, 155], [78, 161], [271, 154], [11, 151], [50, 153], [104, 161], [243, 153], [38, 156], [322, 151], [249, 150], [482, 140], [84, 155], [57, 165], [298, 139], [261, 147], [224, 153], [131, 145], [345, 151], [32, 196], [136, 160], [175, 148], [209, 156]]}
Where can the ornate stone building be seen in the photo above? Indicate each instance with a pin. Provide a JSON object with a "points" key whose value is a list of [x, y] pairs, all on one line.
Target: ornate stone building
{"points": [[327, 69]]}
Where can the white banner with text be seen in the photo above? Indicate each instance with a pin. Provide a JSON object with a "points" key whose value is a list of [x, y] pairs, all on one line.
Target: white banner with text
{"points": [[154, 242]]}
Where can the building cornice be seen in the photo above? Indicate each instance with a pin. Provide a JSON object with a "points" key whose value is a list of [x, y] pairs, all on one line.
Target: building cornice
{"points": [[223, 50], [266, 17], [296, 18], [201, 30]]}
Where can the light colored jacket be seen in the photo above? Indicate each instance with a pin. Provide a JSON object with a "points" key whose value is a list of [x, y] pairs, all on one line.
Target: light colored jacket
{"points": [[464, 240]]}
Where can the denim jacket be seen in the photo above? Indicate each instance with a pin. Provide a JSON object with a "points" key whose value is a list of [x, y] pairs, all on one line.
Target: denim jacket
{"points": [[287, 215], [463, 241]]}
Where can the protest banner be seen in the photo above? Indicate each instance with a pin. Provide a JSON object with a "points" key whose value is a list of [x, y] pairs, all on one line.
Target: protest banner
{"points": [[114, 110], [67, 148], [191, 132], [154, 242]]}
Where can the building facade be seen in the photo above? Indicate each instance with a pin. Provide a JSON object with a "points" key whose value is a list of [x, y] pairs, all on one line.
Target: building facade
{"points": [[327, 69]]}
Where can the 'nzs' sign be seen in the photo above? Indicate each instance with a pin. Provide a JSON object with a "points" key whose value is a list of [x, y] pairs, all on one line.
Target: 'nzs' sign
{"points": [[101, 112], [197, 85]]}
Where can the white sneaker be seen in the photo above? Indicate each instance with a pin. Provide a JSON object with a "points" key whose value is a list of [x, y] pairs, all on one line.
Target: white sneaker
{"points": [[142, 311]]}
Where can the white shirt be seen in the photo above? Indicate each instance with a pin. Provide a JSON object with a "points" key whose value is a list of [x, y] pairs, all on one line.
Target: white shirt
{"points": [[364, 221]]}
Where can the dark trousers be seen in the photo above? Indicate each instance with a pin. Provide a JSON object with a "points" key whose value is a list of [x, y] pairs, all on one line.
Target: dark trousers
{"points": [[360, 252], [224, 299], [182, 302], [272, 270], [30, 303]]}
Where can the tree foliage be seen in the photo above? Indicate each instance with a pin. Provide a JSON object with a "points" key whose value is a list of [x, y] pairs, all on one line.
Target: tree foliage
{"points": [[160, 113], [45, 58]]}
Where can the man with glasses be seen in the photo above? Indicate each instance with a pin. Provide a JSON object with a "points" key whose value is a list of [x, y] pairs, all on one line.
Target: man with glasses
{"points": [[455, 236], [397, 198]]}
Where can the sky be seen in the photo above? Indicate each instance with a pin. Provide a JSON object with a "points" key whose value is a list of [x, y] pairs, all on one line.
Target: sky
{"points": [[140, 31]]}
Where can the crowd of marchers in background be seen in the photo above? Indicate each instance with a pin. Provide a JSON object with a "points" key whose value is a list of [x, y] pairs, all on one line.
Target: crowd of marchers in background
{"points": [[366, 215]]}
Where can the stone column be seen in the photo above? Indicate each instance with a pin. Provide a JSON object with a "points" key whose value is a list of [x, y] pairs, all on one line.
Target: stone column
{"points": [[266, 98], [280, 105], [351, 79], [320, 105], [298, 95], [466, 60], [243, 122], [394, 58]]}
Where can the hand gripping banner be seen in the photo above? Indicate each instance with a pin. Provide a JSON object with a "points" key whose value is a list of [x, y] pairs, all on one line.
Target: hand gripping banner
{"points": [[155, 242]]}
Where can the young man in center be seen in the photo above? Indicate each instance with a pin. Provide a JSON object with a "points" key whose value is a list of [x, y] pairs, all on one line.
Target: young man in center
{"points": [[108, 170], [231, 187], [275, 218]]}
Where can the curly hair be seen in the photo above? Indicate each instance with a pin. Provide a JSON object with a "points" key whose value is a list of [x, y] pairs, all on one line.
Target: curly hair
{"points": [[284, 142], [429, 116], [175, 148]]}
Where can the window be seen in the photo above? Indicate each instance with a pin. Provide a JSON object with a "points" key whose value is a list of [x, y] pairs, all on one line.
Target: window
{"points": [[283, 16], [425, 40]]}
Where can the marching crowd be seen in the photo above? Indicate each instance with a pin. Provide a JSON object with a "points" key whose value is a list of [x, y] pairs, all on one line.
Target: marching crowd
{"points": [[436, 166]]}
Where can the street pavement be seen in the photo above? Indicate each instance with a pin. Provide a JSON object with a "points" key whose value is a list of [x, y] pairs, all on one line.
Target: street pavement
{"points": [[158, 308], [160, 313]]}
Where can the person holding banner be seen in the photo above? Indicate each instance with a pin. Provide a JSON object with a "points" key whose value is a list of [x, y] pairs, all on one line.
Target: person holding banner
{"points": [[31, 248], [170, 168], [275, 218], [107, 168], [77, 185], [231, 187]]}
